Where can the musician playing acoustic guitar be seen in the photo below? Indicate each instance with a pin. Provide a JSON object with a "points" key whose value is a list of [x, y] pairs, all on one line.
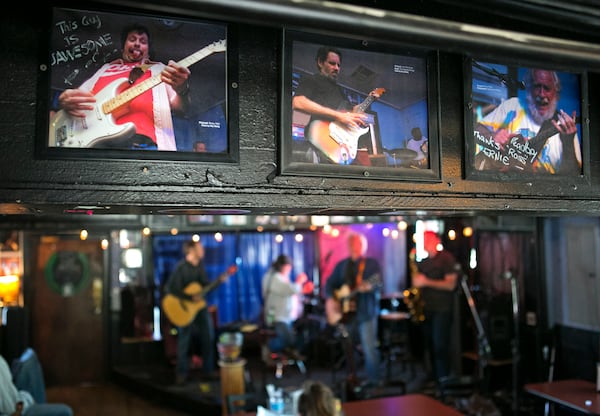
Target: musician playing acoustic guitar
{"points": [[150, 112], [320, 96], [357, 277], [189, 272]]}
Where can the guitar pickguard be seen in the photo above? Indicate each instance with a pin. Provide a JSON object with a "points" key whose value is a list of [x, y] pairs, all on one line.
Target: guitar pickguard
{"points": [[93, 129]]}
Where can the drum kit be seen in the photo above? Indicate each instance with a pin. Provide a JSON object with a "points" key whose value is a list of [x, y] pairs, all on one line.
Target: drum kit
{"points": [[401, 156]]}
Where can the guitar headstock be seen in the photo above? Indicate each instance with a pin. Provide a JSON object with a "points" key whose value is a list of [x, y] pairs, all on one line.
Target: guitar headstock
{"points": [[379, 91], [232, 270], [218, 46]]}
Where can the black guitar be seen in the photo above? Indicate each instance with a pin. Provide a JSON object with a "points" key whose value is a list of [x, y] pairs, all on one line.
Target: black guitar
{"points": [[341, 307], [519, 154]]}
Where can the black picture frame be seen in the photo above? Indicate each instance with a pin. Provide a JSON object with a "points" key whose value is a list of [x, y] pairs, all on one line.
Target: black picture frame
{"points": [[81, 40], [498, 98], [409, 77]]}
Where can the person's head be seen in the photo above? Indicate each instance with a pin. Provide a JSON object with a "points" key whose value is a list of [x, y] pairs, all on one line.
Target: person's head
{"points": [[416, 133], [317, 399], [357, 245], [431, 241], [193, 251], [282, 264], [199, 146], [329, 61], [543, 92], [136, 43]]}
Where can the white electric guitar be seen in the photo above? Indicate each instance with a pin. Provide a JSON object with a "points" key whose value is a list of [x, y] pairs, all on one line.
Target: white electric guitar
{"points": [[337, 141], [99, 125]]}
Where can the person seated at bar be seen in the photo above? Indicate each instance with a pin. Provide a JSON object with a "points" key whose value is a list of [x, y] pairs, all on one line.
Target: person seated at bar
{"points": [[17, 402], [317, 399]]}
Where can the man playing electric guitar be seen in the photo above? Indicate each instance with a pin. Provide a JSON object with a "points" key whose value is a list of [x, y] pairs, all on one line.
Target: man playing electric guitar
{"points": [[191, 271], [150, 112], [334, 127], [361, 274]]}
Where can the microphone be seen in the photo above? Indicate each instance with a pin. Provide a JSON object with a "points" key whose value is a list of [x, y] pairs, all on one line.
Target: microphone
{"points": [[506, 79], [507, 275]]}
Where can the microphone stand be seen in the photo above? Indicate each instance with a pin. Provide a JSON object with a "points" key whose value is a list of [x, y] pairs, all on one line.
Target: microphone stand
{"points": [[484, 351], [514, 285]]}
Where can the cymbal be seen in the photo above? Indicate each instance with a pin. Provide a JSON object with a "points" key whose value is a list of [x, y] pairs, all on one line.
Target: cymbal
{"points": [[401, 153]]}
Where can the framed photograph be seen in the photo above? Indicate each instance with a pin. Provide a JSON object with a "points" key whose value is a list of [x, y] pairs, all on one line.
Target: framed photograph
{"points": [[524, 121], [357, 108], [136, 86]]}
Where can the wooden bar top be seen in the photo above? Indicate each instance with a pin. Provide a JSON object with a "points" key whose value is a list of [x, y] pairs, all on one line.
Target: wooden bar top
{"points": [[579, 395], [408, 404]]}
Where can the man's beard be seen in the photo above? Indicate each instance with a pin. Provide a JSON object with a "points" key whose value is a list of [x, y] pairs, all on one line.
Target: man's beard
{"points": [[535, 114]]}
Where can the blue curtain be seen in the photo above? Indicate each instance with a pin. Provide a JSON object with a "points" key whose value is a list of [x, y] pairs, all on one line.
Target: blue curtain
{"points": [[258, 251], [239, 298]]}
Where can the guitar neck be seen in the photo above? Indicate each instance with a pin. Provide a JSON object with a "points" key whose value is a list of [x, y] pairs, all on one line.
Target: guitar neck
{"points": [[131, 93], [369, 100], [373, 280], [213, 285], [366, 103]]}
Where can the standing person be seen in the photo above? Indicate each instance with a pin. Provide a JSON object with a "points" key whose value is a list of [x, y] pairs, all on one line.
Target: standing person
{"points": [[320, 96], [436, 279], [418, 143], [281, 296], [357, 280], [537, 124], [150, 112], [188, 272]]}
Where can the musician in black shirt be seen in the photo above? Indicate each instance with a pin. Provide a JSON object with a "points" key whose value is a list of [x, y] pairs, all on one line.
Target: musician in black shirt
{"points": [[320, 96]]}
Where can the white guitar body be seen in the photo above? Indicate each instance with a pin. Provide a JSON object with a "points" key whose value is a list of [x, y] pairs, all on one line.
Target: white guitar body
{"points": [[93, 129], [347, 137], [338, 142]]}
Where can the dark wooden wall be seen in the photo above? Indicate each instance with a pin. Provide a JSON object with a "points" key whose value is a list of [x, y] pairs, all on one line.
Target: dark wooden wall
{"points": [[31, 185]]}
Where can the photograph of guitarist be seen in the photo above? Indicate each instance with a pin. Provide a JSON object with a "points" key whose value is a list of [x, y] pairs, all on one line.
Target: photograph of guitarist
{"points": [[150, 111], [436, 278], [538, 123], [320, 96], [361, 274], [188, 271]]}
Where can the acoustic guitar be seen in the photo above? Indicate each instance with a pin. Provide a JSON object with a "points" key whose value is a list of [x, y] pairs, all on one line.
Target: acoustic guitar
{"points": [[181, 312], [99, 126], [341, 307]]}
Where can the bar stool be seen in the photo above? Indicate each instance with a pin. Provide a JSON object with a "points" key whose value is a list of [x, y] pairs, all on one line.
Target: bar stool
{"points": [[277, 360]]}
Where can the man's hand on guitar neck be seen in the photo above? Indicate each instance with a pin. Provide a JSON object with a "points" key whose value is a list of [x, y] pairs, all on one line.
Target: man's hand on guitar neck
{"points": [[376, 93], [230, 271]]}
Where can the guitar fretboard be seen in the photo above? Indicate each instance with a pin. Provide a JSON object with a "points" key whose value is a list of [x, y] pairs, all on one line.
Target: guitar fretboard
{"points": [[123, 98]]}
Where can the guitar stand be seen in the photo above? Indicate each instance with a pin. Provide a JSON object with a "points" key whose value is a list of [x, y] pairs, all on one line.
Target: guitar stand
{"points": [[349, 388]]}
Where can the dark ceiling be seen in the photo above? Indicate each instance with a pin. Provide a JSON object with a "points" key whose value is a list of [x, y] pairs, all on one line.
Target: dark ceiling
{"points": [[575, 19]]}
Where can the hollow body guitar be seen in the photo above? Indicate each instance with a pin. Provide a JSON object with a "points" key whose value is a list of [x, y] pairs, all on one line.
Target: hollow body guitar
{"points": [[99, 125], [337, 141], [181, 312]]}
